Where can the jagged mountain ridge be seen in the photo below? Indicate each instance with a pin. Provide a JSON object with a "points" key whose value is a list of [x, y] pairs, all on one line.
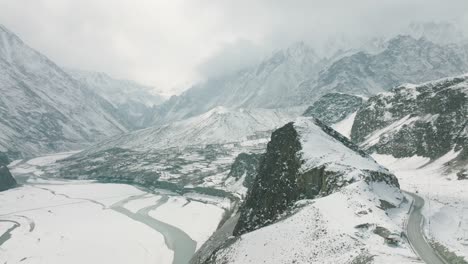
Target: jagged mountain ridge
{"points": [[404, 60], [42, 108], [132, 100], [298, 77], [270, 84]]}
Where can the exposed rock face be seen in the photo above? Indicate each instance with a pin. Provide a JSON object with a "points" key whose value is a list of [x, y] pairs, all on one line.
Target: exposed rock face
{"points": [[4, 159], [6, 179], [275, 186], [426, 120], [334, 107], [245, 165], [284, 176]]}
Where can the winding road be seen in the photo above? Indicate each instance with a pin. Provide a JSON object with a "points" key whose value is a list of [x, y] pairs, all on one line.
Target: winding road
{"points": [[415, 233]]}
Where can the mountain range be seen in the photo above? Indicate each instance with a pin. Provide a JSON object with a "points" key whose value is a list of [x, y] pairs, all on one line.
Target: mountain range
{"points": [[45, 109], [297, 76]]}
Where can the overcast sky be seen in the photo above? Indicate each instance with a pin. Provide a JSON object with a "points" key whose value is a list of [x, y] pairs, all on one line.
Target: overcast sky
{"points": [[173, 43]]}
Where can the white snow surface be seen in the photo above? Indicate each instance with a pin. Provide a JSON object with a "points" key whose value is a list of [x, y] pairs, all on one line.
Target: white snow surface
{"points": [[446, 198], [319, 148], [58, 229], [73, 221], [345, 125], [189, 216]]}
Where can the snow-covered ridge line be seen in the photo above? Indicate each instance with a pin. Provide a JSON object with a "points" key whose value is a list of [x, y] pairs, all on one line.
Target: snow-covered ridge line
{"points": [[43, 108]]}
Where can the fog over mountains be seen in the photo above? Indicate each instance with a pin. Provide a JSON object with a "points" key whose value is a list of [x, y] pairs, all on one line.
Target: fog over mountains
{"points": [[297, 77]]}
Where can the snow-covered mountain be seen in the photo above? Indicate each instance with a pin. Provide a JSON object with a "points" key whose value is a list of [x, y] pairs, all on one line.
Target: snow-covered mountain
{"points": [[198, 151], [317, 199], [442, 32], [271, 84], [404, 60], [220, 125], [42, 108], [426, 120], [132, 100], [298, 77]]}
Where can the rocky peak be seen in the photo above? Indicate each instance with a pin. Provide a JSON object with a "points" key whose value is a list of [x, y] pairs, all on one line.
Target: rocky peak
{"points": [[305, 159]]}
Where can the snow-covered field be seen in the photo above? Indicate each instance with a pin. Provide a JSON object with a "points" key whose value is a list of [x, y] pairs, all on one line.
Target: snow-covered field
{"points": [[446, 206], [62, 221], [75, 225]]}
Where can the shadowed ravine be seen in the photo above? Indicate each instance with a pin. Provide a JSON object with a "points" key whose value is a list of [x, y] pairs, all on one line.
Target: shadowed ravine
{"points": [[7, 235], [176, 240]]}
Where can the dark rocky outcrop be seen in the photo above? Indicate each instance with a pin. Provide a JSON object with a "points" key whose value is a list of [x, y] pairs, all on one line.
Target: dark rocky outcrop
{"points": [[281, 181], [6, 179], [274, 188], [245, 164], [4, 159], [334, 107]]}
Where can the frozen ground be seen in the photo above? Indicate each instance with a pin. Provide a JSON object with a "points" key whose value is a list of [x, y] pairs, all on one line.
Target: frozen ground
{"points": [[446, 207], [339, 228], [63, 221], [72, 223]]}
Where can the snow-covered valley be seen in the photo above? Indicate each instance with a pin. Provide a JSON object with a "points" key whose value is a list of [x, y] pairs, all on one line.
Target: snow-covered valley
{"points": [[357, 155], [60, 221]]}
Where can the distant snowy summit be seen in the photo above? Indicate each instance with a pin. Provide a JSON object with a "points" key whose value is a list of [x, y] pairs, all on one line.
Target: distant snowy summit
{"points": [[132, 100], [297, 76]]}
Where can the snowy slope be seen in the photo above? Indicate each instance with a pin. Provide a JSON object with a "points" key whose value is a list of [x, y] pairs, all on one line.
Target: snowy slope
{"points": [[42, 108], [217, 126], [322, 202], [132, 100]]}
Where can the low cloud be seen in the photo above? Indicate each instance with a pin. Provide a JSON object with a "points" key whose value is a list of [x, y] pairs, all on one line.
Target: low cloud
{"points": [[171, 44]]}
